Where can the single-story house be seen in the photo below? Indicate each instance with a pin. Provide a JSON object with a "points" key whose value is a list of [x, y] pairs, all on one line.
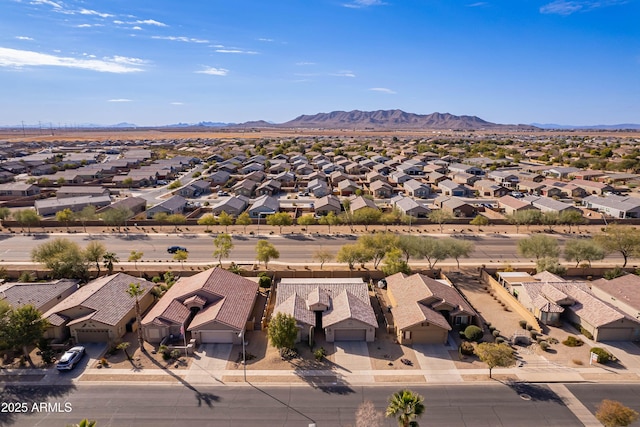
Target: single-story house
{"points": [[233, 206], [327, 204], [450, 188], [547, 204], [18, 189], [622, 293], [339, 307], [487, 187], [408, 206], [425, 309], [380, 189], [173, 205], [511, 205], [214, 305], [100, 311], [42, 295], [263, 206], [360, 202], [81, 190], [136, 205], [47, 207], [416, 188], [614, 205]]}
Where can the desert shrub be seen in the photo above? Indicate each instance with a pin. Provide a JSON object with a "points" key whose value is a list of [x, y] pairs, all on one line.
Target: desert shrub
{"points": [[175, 353], [523, 324], [473, 333], [466, 348], [613, 273], [586, 333], [495, 333], [492, 328], [26, 276], [552, 340], [499, 340], [264, 281], [461, 334], [544, 345], [156, 279], [572, 341], [529, 327], [534, 334], [288, 353], [320, 353], [603, 355], [46, 352]]}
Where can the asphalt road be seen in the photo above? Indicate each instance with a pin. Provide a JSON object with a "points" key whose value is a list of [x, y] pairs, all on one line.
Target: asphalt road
{"points": [[294, 248], [159, 406]]}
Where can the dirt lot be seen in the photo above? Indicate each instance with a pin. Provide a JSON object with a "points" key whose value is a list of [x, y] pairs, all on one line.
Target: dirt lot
{"points": [[148, 360]]}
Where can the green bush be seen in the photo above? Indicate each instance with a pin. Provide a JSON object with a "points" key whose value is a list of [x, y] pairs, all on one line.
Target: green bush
{"points": [[320, 353], [544, 345], [264, 281], [586, 333], [523, 324], [466, 348], [473, 333], [495, 333], [572, 341], [603, 355]]}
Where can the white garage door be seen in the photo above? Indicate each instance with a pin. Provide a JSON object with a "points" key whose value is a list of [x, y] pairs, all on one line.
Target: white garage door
{"points": [[216, 337], [350, 335]]}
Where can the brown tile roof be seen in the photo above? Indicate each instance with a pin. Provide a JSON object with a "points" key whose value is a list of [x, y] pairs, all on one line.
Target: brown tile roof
{"points": [[623, 288], [416, 297], [35, 294], [346, 299], [106, 296], [229, 299]]}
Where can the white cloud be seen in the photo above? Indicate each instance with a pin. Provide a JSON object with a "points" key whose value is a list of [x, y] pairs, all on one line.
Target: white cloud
{"points": [[359, 4], [136, 28], [94, 12], [177, 103], [305, 63], [48, 2], [383, 90], [149, 22], [564, 7], [245, 52], [344, 74], [24, 38], [214, 71], [120, 100], [14, 58], [266, 40], [118, 22], [180, 39], [478, 4]]}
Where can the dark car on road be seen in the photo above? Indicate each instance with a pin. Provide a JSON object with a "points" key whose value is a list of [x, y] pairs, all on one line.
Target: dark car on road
{"points": [[70, 358], [174, 249]]}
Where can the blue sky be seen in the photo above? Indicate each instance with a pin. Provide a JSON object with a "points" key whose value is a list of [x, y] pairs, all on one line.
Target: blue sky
{"points": [[162, 62]]}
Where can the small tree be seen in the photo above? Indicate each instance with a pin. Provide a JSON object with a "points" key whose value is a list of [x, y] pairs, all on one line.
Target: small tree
{"points": [[27, 218], [473, 333], [620, 238], [225, 220], [439, 217], [457, 249], [395, 263], [223, 244], [135, 291], [614, 414], [579, 250], [176, 220], [88, 213], [495, 355], [244, 219], [108, 260], [175, 185], [307, 220], [63, 257], [181, 256], [124, 346], [4, 214], [322, 255], [208, 220], [116, 217], [432, 249], [539, 246], [134, 257], [265, 252], [65, 216], [406, 406], [480, 221], [26, 328], [367, 216], [279, 219], [283, 331], [329, 219], [95, 252]]}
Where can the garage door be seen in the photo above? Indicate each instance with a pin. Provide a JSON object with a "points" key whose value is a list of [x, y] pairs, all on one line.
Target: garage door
{"points": [[429, 336], [92, 336], [350, 335], [216, 337]]}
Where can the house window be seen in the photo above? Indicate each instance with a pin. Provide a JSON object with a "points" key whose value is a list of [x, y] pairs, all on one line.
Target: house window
{"points": [[407, 335]]}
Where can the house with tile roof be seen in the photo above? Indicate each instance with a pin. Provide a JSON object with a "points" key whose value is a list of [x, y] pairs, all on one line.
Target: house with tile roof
{"points": [[173, 205], [214, 305], [42, 295], [99, 311], [621, 292], [425, 309], [341, 308], [553, 300]]}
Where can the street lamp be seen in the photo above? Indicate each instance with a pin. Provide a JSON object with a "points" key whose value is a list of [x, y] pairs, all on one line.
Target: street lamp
{"points": [[244, 357]]}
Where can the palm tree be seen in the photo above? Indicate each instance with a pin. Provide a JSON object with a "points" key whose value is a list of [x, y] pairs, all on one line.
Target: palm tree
{"points": [[406, 406], [136, 291], [110, 258]]}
